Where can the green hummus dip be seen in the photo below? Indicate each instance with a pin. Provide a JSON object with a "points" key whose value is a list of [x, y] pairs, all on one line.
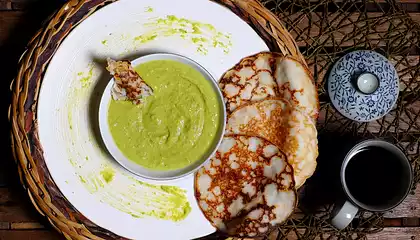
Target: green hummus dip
{"points": [[173, 128]]}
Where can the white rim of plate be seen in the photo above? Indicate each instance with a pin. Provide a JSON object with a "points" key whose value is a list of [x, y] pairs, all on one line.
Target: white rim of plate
{"points": [[137, 169]]}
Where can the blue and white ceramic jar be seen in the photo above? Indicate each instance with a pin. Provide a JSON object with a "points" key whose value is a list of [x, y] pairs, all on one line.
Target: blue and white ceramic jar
{"points": [[363, 85]]}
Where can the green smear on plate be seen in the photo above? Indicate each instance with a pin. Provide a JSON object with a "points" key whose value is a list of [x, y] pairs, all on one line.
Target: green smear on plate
{"points": [[108, 174], [86, 78], [145, 38], [203, 35]]}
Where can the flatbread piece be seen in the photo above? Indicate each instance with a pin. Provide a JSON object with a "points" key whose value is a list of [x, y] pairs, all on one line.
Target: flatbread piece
{"points": [[247, 187]]}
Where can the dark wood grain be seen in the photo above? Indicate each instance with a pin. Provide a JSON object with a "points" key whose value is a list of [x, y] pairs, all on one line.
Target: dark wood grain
{"points": [[396, 234], [8, 22], [16, 4], [409, 208], [3, 179], [5, 5], [16, 207], [29, 235]]}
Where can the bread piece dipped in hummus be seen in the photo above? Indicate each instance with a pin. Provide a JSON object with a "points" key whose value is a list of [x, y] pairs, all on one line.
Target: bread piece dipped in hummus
{"points": [[128, 84]]}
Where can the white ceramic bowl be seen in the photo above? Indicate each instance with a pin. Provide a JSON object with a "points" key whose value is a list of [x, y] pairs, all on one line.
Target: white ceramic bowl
{"points": [[138, 169]]}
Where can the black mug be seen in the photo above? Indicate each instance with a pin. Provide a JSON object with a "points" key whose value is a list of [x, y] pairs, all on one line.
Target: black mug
{"points": [[375, 176]]}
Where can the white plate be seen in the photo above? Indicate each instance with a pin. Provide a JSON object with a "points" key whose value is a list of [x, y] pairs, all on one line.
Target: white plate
{"points": [[138, 169], [69, 101]]}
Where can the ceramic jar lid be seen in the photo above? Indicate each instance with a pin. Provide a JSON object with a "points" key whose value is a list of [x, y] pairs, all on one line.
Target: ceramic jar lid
{"points": [[363, 85]]}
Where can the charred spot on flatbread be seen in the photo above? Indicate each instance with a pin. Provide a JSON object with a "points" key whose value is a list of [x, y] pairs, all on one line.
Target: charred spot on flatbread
{"points": [[247, 187]]}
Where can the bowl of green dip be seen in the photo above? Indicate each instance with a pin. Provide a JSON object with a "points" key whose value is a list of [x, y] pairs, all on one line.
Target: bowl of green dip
{"points": [[173, 132]]}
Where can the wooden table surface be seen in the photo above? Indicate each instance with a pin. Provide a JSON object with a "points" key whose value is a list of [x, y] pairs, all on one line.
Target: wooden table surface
{"points": [[19, 19]]}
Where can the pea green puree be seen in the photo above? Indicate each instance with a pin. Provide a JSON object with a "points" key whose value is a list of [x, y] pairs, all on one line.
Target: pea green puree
{"points": [[174, 127]]}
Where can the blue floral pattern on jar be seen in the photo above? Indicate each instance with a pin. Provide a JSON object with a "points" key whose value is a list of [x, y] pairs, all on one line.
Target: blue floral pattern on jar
{"points": [[354, 104]]}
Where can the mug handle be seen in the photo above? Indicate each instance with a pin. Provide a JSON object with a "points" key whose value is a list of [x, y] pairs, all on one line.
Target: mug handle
{"points": [[344, 215]]}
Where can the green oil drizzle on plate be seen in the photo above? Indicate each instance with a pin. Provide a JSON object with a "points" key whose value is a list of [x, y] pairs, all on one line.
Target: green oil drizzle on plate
{"points": [[148, 9], [82, 179], [145, 38], [70, 119], [203, 35], [86, 77], [84, 81]]}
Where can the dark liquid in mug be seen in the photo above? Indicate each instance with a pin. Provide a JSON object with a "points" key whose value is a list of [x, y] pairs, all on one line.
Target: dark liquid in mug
{"points": [[375, 177]]}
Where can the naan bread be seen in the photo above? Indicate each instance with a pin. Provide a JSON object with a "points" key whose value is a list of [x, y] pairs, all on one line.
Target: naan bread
{"points": [[296, 85], [247, 187], [267, 75], [128, 85], [285, 126]]}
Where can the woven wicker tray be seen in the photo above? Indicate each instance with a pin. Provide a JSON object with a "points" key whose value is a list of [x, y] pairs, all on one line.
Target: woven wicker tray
{"points": [[324, 31], [27, 150]]}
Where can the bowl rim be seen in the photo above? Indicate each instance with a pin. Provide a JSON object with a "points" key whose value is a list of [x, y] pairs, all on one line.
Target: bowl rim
{"points": [[137, 169]]}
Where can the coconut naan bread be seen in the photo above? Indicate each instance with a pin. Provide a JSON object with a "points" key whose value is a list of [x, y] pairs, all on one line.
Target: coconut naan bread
{"points": [[266, 75], [287, 127], [247, 187]]}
